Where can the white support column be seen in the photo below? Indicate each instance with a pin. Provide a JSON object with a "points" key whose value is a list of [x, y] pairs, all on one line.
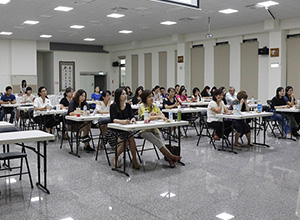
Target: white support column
{"points": [[171, 68], [235, 62], [128, 70], [183, 69], [209, 62]]}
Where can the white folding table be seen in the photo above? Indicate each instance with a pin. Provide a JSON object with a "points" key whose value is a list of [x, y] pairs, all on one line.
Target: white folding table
{"points": [[140, 125], [22, 137]]}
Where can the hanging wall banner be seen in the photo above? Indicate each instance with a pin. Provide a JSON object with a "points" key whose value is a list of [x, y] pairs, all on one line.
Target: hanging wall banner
{"points": [[66, 75]]}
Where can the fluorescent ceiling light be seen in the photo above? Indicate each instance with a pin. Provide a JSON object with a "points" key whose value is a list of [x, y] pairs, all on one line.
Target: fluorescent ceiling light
{"points": [[225, 216], [31, 22], [125, 32], [69, 218], [89, 39], [168, 22], [115, 15], [186, 3], [63, 8], [4, 1], [77, 26], [167, 194], [5, 33], [46, 36], [267, 4], [228, 11]]}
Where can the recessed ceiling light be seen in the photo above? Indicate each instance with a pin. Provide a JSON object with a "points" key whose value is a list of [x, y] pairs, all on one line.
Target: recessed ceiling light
{"points": [[228, 11], [267, 4], [63, 8], [4, 1], [77, 26], [5, 33], [46, 36], [168, 22], [167, 194], [125, 32], [89, 39], [225, 216], [31, 22], [115, 15], [69, 218]]}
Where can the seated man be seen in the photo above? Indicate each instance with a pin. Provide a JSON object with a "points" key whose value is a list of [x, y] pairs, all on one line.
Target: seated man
{"points": [[231, 96], [8, 98]]}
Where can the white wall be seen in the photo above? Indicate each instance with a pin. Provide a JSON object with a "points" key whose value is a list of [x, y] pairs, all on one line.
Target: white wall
{"points": [[84, 62]]}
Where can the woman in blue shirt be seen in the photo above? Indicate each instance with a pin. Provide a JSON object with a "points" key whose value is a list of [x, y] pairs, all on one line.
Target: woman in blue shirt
{"points": [[96, 96]]}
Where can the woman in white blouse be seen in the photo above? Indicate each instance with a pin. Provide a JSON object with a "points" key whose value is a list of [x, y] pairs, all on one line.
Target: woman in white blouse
{"points": [[40, 104], [103, 107], [216, 106]]}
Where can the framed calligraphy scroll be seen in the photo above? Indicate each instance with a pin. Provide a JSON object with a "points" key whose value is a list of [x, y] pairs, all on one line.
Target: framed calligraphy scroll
{"points": [[66, 75]]}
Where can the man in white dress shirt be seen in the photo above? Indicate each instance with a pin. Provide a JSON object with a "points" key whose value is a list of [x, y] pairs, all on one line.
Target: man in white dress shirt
{"points": [[231, 96]]}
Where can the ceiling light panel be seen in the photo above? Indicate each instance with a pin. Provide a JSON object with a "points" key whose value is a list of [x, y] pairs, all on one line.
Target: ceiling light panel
{"points": [[45, 36], [77, 26], [30, 22], [168, 22], [4, 1], [228, 11], [115, 15], [267, 4], [63, 8], [5, 33], [125, 32], [89, 39]]}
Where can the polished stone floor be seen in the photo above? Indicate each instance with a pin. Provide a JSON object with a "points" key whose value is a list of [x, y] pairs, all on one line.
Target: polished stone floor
{"points": [[256, 184]]}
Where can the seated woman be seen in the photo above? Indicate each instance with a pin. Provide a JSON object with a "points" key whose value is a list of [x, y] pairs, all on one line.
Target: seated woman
{"points": [[40, 104], [291, 101], [196, 95], [241, 126], [103, 107], [65, 101], [223, 89], [28, 97], [181, 97], [216, 106], [137, 96], [288, 122], [205, 92], [170, 102], [177, 88], [129, 93], [153, 135], [96, 96], [213, 89], [76, 107], [121, 113]]}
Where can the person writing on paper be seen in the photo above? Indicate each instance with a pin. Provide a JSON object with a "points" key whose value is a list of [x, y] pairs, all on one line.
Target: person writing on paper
{"points": [[153, 135], [28, 97], [8, 98], [217, 106], [241, 126], [121, 113], [76, 107], [196, 95], [41, 103], [65, 101]]}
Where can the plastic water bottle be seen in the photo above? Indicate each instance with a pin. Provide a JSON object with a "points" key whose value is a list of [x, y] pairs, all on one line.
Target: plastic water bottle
{"points": [[198, 99], [179, 113], [238, 109], [146, 117], [259, 108], [252, 100], [171, 116], [234, 109], [48, 107], [84, 110], [298, 104]]}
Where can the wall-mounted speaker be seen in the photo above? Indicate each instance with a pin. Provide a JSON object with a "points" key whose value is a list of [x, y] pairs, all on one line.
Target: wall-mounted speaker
{"points": [[115, 64]]}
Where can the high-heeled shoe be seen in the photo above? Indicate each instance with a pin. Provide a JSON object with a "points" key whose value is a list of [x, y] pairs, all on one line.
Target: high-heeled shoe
{"points": [[172, 163], [177, 159]]}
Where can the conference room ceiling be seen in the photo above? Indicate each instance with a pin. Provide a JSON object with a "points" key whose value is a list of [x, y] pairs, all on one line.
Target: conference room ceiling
{"points": [[143, 17]]}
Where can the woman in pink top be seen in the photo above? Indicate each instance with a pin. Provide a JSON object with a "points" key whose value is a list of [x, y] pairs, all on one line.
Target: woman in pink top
{"points": [[181, 97]]}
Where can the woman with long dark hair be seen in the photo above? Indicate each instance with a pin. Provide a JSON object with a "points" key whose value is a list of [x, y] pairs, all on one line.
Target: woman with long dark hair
{"points": [[23, 86], [137, 96], [76, 107], [291, 101], [121, 113], [65, 101], [205, 92], [196, 95]]}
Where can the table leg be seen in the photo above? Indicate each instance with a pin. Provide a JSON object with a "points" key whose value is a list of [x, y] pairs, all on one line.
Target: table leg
{"points": [[39, 184], [264, 135], [124, 157]]}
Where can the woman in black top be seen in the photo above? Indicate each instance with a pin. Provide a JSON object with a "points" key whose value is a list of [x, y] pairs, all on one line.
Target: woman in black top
{"points": [[213, 89], [137, 97], [278, 102], [76, 108], [291, 101], [121, 113], [128, 92], [205, 92], [65, 101], [170, 102]]}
